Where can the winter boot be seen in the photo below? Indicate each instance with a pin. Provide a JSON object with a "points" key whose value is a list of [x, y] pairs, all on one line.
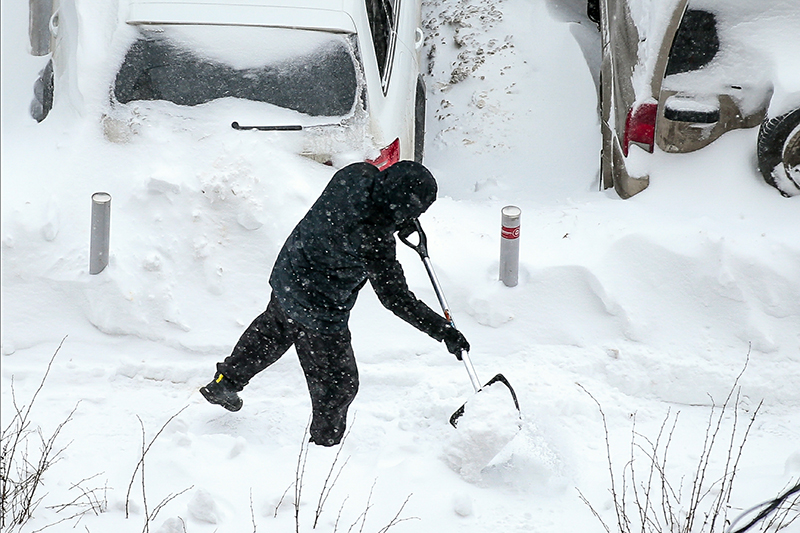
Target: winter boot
{"points": [[222, 392]]}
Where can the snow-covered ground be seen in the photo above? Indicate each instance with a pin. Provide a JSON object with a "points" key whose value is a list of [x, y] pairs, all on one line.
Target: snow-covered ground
{"points": [[649, 305]]}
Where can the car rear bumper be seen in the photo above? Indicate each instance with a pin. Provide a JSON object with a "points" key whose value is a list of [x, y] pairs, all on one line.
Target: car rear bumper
{"points": [[683, 135]]}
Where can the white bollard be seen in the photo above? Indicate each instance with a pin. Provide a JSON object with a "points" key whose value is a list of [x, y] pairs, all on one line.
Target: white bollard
{"points": [[509, 246], [101, 229]]}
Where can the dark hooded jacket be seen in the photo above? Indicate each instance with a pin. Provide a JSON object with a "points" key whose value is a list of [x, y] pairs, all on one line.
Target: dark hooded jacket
{"points": [[347, 238]]}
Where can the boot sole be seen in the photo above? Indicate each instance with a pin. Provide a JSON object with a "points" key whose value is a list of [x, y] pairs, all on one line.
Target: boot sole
{"points": [[216, 401]]}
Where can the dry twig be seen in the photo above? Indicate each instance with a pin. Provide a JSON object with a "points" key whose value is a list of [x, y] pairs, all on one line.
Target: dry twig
{"points": [[140, 464]]}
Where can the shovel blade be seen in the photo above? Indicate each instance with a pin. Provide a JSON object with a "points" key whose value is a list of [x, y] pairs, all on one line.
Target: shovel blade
{"points": [[498, 381]]}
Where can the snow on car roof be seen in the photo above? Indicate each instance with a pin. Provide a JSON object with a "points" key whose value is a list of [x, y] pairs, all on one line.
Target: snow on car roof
{"points": [[327, 15]]}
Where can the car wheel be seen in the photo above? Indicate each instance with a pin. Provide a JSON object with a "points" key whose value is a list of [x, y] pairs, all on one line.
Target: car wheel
{"points": [[791, 157], [419, 121], [42, 101], [779, 152]]}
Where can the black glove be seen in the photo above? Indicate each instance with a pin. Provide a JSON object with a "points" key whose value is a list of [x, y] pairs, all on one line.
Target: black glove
{"points": [[455, 341], [405, 229]]}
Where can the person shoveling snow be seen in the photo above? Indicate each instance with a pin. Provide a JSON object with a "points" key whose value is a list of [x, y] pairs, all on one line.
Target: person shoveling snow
{"points": [[345, 239]]}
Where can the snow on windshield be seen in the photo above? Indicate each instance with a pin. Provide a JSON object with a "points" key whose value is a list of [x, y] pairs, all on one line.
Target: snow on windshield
{"points": [[246, 47]]}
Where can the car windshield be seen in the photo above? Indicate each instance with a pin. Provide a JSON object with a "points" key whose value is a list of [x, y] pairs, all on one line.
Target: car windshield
{"points": [[696, 42], [312, 72]]}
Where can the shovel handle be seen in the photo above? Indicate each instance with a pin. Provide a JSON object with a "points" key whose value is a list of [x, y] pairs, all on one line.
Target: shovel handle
{"points": [[422, 249], [407, 231]]}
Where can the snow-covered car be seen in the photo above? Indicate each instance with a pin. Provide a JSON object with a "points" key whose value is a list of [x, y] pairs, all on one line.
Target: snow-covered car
{"points": [[678, 74], [340, 76]]}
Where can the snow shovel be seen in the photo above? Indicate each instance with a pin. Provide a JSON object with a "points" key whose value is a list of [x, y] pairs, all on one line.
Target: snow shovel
{"points": [[422, 249]]}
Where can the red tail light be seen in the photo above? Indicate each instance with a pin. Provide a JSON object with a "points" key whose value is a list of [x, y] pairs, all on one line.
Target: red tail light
{"points": [[640, 127], [389, 156]]}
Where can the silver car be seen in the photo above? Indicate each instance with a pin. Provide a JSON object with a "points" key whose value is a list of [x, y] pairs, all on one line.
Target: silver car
{"points": [[678, 74]]}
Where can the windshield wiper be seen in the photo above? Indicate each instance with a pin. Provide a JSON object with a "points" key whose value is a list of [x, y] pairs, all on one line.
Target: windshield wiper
{"points": [[236, 126]]}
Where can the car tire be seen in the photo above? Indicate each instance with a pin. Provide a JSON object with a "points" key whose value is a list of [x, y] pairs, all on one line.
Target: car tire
{"points": [[43, 88], [419, 120], [779, 152]]}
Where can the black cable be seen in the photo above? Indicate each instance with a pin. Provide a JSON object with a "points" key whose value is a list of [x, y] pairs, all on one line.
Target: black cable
{"points": [[774, 504]]}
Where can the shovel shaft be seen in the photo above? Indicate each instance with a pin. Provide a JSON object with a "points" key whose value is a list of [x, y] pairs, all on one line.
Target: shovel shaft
{"points": [[437, 288], [422, 249], [473, 376]]}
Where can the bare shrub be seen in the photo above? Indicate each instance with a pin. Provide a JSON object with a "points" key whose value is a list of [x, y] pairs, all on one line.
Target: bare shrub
{"points": [[646, 499], [88, 500], [149, 516], [328, 486], [22, 469]]}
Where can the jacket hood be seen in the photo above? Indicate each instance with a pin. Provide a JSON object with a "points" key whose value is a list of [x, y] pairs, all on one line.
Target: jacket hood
{"points": [[404, 191]]}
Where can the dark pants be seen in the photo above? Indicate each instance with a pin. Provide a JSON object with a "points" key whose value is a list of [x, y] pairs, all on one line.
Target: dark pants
{"points": [[327, 360]]}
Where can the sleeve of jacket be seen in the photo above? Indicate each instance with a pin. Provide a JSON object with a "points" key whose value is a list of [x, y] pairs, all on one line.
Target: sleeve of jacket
{"points": [[389, 282]]}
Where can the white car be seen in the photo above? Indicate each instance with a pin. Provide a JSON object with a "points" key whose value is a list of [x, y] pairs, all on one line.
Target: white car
{"points": [[678, 74], [341, 77]]}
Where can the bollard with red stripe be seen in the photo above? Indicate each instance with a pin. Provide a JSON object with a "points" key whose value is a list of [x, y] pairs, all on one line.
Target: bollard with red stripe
{"points": [[509, 246]]}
